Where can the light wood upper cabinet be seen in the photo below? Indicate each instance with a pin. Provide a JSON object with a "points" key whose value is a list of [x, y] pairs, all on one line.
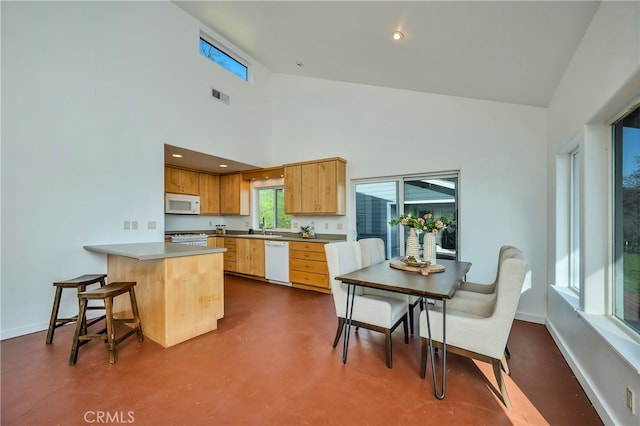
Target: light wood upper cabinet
{"points": [[180, 181], [209, 193], [293, 189], [316, 187], [235, 195], [250, 256]]}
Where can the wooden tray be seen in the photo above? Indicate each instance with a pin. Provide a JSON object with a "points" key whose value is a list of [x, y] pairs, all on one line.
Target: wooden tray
{"points": [[398, 264]]}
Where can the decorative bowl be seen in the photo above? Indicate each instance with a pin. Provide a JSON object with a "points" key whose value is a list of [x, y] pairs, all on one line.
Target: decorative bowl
{"points": [[412, 261]]}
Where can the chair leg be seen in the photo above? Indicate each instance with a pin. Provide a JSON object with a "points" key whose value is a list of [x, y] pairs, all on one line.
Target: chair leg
{"points": [[411, 318], [111, 332], [76, 337], [500, 380], [54, 315], [505, 366], [339, 331], [406, 331], [136, 314], [387, 334], [424, 348]]}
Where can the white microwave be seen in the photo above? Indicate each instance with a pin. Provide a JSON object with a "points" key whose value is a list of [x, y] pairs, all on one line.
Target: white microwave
{"points": [[181, 204]]}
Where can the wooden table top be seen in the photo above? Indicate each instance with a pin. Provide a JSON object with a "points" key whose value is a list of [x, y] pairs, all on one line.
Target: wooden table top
{"points": [[441, 285]]}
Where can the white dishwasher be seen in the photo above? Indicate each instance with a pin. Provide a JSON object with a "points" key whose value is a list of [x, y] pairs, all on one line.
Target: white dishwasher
{"points": [[276, 262]]}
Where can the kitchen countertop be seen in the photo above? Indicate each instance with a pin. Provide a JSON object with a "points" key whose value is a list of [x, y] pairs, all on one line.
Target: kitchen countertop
{"points": [[147, 251]]}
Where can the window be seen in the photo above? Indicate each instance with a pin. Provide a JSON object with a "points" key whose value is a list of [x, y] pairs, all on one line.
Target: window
{"points": [[626, 141], [271, 208], [574, 222], [377, 201], [227, 62]]}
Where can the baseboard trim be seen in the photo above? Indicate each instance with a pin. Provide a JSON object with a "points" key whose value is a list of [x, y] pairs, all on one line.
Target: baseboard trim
{"points": [[589, 389]]}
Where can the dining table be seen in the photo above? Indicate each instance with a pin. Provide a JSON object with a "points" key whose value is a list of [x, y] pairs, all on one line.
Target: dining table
{"points": [[391, 276]]}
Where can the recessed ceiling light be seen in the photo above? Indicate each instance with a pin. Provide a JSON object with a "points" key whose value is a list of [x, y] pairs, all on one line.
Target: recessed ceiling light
{"points": [[177, 155], [223, 165], [397, 35]]}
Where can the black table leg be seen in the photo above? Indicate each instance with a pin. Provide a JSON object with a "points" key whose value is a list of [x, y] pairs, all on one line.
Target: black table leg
{"points": [[351, 292], [439, 395]]}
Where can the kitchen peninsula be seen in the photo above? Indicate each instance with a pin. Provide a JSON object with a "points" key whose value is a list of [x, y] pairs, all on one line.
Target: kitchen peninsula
{"points": [[180, 288]]}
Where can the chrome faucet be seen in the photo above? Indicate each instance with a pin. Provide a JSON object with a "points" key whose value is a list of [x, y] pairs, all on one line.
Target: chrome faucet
{"points": [[264, 229]]}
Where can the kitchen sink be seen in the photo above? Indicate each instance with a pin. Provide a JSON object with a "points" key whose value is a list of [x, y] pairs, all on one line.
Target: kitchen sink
{"points": [[266, 236]]}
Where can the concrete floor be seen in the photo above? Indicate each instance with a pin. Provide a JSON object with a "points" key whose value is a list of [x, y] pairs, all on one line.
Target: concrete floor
{"points": [[271, 363]]}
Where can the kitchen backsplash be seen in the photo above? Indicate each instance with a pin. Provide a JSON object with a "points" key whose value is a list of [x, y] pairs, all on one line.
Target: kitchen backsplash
{"points": [[322, 224]]}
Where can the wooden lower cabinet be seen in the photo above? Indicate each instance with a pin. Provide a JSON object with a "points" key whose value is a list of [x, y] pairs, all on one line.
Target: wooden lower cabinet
{"points": [[250, 256], [244, 256], [230, 256], [308, 266]]}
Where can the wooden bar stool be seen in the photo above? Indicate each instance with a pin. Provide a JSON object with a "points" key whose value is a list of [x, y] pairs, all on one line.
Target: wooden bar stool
{"points": [[80, 284], [106, 294]]}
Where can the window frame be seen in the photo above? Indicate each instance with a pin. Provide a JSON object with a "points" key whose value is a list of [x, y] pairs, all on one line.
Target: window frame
{"points": [[400, 181], [256, 211], [228, 53], [616, 251], [573, 253]]}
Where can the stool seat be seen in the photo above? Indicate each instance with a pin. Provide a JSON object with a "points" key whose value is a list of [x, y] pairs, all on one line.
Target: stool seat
{"points": [[80, 283], [106, 294]]}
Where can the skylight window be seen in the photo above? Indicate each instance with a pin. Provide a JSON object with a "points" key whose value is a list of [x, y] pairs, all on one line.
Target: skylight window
{"points": [[221, 58]]}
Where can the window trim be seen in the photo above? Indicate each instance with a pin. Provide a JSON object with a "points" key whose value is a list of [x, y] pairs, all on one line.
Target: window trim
{"points": [[255, 214], [574, 250], [222, 48]]}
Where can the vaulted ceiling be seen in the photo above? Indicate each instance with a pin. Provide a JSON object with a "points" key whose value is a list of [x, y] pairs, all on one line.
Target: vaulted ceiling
{"points": [[506, 51]]}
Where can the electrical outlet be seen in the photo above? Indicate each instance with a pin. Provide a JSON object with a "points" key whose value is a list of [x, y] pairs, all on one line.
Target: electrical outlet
{"points": [[210, 223], [295, 225], [134, 225], [339, 226], [631, 400], [326, 226], [246, 224], [151, 224], [127, 225]]}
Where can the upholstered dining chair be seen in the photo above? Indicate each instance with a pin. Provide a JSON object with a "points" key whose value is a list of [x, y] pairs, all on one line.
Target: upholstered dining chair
{"points": [[479, 336], [373, 312], [476, 298], [373, 251]]}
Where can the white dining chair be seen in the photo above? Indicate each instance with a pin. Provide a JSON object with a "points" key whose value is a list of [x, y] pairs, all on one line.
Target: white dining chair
{"points": [[373, 251], [373, 312], [479, 336], [476, 298]]}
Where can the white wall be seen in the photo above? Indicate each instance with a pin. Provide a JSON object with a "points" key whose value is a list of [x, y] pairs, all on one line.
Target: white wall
{"points": [[106, 101], [602, 79], [91, 91], [500, 150]]}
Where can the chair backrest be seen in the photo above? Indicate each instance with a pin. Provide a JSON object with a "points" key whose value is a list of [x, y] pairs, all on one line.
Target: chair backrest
{"points": [[505, 252], [372, 250], [513, 270], [342, 257]]}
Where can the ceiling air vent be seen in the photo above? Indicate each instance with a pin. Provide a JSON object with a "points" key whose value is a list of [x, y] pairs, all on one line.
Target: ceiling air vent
{"points": [[222, 97]]}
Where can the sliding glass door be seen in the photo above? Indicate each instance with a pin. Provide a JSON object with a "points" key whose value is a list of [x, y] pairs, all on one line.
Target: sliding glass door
{"points": [[377, 201]]}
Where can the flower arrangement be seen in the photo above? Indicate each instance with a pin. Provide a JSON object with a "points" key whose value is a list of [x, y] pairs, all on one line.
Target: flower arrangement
{"points": [[426, 223]]}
